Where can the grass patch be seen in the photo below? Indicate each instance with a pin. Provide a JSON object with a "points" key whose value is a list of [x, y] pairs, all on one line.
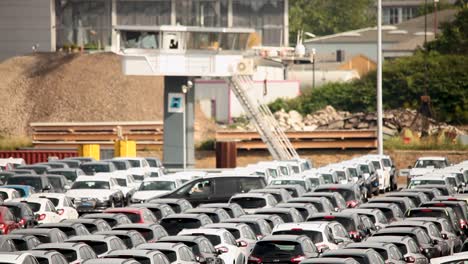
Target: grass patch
{"points": [[208, 144], [397, 143], [12, 143]]}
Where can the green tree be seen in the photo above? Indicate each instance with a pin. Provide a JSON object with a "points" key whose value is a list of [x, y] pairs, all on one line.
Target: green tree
{"points": [[454, 37], [324, 17]]}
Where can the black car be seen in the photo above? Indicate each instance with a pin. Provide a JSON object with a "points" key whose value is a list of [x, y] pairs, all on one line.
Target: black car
{"points": [[40, 183], [215, 214], [70, 229], [426, 245], [45, 235], [110, 218], [364, 256], [388, 251], [22, 212], [159, 210], [260, 227], [179, 205], [70, 173], [200, 246], [39, 169], [131, 238], [305, 209], [150, 232], [335, 198], [350, 192], [216, 189], [93, 225], [234, 210], [58, 182], [351, 222], [289, 215], [322, 204], [283, 249], [23, 242], [404, 203], [176, 222]]}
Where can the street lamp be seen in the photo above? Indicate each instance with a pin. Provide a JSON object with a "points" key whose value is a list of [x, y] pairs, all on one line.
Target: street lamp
{"points": [[312, 59], [379, 80], [185, 89]]}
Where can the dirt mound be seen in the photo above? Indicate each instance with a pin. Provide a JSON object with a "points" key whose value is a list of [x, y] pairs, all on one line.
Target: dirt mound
{"points": [[58, 87]]}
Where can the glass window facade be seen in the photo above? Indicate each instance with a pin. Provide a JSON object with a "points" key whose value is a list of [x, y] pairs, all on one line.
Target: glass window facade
{"points": [[84, 23], [88, 23], [144, 12]]}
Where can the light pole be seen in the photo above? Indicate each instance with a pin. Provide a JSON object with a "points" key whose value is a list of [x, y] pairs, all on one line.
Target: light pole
{"points": [[185, 90], [379, 80]]}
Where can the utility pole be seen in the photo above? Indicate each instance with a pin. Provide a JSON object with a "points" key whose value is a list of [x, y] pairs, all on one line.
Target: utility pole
{"points": [[379, 80]]}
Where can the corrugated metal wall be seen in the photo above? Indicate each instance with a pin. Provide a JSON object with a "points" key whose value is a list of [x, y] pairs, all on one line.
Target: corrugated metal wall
{"points": [[35, 156]]}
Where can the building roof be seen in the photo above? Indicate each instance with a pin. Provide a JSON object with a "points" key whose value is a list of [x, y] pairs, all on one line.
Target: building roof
{"points": [[407, 31]]}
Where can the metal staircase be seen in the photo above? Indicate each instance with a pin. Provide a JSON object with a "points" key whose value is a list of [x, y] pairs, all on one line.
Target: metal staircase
{"points": [[260, 115]]}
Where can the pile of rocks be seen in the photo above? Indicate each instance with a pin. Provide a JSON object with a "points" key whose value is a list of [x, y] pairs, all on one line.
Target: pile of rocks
{"points": [[329, 118]]}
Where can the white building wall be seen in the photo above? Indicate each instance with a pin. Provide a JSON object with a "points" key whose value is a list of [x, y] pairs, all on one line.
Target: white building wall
{"points": [[25, 23], [350, 49]]}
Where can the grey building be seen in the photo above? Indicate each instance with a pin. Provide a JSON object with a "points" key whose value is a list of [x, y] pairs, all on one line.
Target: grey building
{"points": [[49, 25], [398, 11]]}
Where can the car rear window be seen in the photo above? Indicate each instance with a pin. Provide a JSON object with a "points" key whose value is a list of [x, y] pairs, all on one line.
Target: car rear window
{"points": [[70, 255], [134, 217], [174, 224], [234, 232], [70, 175], [249, 202], [346, 222], [316, 236], [276, 248], [426, 213], [4, 196], [35, 207], [98, 246], [348, 195], [214, 239], [90, 169], [171, 255], [288, 182], [146, 233]]}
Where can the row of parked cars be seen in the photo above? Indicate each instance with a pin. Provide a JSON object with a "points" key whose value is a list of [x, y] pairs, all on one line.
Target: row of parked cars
{"points": [[268, 212]]}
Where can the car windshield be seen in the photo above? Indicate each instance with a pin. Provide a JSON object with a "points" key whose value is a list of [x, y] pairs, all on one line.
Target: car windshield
{"points": [[386, 163], [277, 248], [122, 182], [376, 165], [327, 178], [91, 169], [35, 207], [341, 175], [91, 185], [70, 175], [314, 182], [34, 182], [152, 163], [170, 254], [353, 172], [437, 164], [316, 236], [249, 202], [364, 168], [157, 186], [288, 182]]}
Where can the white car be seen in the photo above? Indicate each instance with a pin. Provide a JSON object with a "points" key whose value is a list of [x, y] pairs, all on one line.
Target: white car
{"points": [[62, 203], [156, 172], [8, 194], [140, 167], [43, 208], [429, 179], [154, 187], [427, 164], [253, 201], [243, 234], [222, 240], [457, 258], [325, 235], [17, 258], [95, 194]]}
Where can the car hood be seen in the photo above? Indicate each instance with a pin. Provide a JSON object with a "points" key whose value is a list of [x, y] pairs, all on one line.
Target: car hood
{"points": [[143, 195], [88, 193]]}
